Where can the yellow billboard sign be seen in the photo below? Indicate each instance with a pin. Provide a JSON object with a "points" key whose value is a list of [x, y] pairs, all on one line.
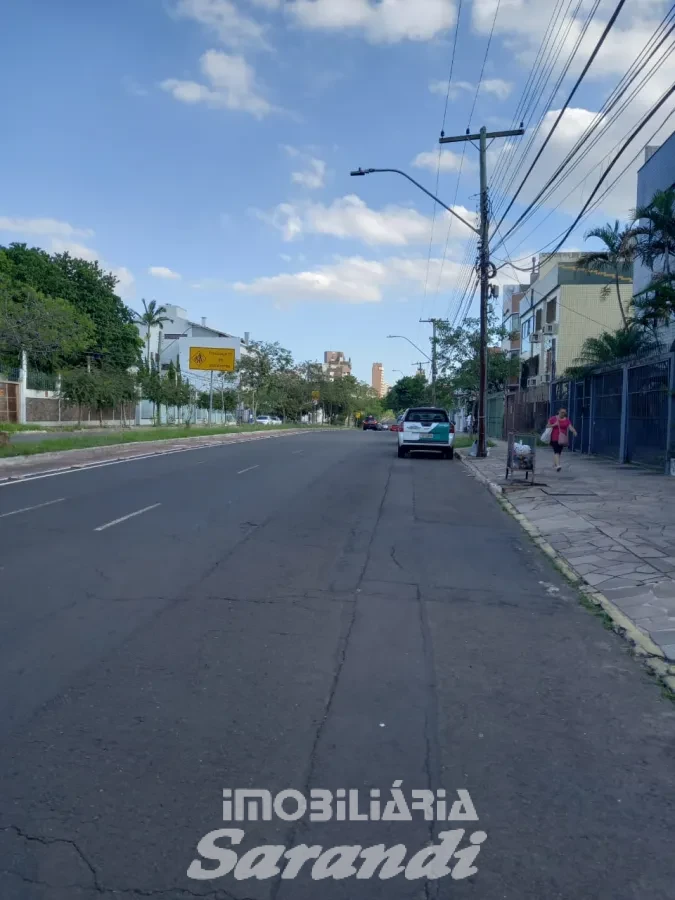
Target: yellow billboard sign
{"points": [[212, 359], [316, 395]]}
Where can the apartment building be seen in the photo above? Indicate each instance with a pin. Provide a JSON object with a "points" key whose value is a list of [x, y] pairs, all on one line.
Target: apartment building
{"points": [[335, 365], [563, 307], [656, 174], [377, 379]]}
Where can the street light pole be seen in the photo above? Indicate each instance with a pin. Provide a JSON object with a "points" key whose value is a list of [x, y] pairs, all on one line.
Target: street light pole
{"points": [[484, 265], [434, 357]]}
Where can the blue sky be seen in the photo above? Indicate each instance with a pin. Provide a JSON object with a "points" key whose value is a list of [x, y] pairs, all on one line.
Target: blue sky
{"points": [[201, 149]]}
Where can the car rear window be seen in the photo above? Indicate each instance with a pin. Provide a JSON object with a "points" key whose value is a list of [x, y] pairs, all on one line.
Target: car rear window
{"points": [[426, 416]]}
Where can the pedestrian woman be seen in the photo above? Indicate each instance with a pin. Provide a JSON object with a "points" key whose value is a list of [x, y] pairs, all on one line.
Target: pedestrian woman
{"points": [[560, 427]]}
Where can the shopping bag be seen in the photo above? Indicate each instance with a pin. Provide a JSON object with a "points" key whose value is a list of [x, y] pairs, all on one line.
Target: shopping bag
{"points": [[546, 435]]}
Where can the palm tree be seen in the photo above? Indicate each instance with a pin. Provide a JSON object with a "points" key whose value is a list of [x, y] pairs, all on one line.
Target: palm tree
{"points": [[151, 316], [611, 346], [655, 230], [616, 258]]}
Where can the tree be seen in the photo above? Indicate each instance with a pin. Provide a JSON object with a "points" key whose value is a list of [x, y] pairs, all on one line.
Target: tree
{"points": [[458, 352], [49, 329], [151, 317], [257, 367], [611, 346], [655, 231], [616, 258], [411, 390], [78, 386], [88, 288]]}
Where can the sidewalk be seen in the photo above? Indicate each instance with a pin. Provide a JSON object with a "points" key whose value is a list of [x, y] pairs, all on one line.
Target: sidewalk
{"points": [[614, 526]]}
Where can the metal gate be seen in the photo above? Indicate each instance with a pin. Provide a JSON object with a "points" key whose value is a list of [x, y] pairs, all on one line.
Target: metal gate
{"points": [[495, 416], [606, 413], [648, 399], [9, 401]]}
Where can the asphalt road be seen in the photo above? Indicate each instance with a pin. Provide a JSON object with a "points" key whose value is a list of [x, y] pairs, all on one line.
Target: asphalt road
{"points": [[311, 612]]}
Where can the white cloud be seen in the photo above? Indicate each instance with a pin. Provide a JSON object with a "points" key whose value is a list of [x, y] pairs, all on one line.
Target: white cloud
{"points": [[223, 17], [232, 84], [125, 281], [163, 272], [380, 21], [313, 176], [80, 251], [355, 280], [496, 86], [42, 227], [450, 161], [350, 217]]}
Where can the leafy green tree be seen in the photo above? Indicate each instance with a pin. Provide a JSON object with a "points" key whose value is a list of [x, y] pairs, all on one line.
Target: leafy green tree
{"points": [[654, 230], [411, 390], [152, 316], [259, 365], [458, 351], [88, 288], [616, 257], [49, 329], [78, 386]]}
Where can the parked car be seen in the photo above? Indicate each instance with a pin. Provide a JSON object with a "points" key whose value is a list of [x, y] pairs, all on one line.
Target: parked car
{"points": [[398, 424], [265, 420], [370, 423], [426, 428]]}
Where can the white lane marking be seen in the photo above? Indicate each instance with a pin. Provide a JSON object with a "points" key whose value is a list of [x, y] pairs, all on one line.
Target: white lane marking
{"points": [[298, 451], [84, 467], [124, 518], [250, 468], [15, 512]]}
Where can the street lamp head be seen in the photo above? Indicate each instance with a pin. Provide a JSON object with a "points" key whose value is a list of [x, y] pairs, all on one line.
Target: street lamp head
{"points": [[360, 171]]}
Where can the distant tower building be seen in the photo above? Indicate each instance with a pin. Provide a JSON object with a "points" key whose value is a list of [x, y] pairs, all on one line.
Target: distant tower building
{"points": [[335, 365], [377, 380]]}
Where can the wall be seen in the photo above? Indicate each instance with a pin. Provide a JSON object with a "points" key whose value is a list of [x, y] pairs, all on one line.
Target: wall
{"points": [[584, 313], [658, 173], [49, 411]]}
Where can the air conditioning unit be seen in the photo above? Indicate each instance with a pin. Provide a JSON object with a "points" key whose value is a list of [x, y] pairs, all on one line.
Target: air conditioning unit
{"points": [[550, 329], [544, 379], [532, 382], [535, 337]]}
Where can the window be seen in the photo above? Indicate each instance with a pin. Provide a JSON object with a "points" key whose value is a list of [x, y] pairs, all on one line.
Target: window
{"points": [[538, 319], [551, 311], [526, 329], [427, 416]]}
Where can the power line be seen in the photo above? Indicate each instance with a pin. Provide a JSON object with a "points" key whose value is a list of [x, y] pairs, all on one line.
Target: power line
{"points": [[487, 50], [438, 164], [601, 119], [577, 83]]}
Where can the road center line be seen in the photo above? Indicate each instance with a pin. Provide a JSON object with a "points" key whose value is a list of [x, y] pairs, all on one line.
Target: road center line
{"points": [[250, 468], [15, 512], [124, 518]]}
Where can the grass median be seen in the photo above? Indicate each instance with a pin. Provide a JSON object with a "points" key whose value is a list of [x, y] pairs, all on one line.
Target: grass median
{"points": [[133, 436]]}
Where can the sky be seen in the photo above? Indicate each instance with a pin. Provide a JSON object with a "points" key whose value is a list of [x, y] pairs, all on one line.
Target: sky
{"points": [[201, 150]]}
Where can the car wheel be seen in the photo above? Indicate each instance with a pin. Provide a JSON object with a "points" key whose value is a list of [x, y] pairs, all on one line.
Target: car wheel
{"points": [[449, 453], [401, 452]]}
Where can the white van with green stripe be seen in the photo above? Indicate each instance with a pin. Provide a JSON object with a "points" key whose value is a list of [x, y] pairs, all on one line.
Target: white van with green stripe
{"points": [[426, 428]]}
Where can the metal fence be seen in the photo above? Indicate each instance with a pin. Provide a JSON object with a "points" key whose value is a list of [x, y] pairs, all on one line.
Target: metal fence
{"points": [[41, 381], [625, 412]]}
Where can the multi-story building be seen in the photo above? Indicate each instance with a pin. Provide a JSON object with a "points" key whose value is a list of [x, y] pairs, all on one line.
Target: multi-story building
{"points": [[335, 365], [172, 342], [513, 294], [377, 379], [563, 307], [656, 174]]}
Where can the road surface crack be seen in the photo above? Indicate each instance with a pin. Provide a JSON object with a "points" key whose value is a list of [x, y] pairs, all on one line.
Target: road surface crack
{"points": [[46, 842], [392, 553]]}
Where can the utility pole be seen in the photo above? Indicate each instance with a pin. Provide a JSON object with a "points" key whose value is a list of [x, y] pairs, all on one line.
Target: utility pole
{"points": [[211, 399], [485, 267], [434, 358]]}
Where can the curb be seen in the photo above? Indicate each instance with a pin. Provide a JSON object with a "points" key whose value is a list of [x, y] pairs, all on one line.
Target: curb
{"points": [[110, 453], [641, 644]]}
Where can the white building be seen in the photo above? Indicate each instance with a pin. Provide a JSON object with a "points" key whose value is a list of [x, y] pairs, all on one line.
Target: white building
{"points": [[172, 343]]}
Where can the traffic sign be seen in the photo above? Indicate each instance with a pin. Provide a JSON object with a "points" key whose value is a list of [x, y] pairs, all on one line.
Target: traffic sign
{"points": [[316, 395], [213, 359]]}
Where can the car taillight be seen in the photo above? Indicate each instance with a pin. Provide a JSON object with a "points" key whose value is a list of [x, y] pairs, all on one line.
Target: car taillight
{"points": [[452, 428]]}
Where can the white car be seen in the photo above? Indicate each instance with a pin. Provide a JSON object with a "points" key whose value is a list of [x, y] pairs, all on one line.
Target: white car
{"points": [[265, 420], [426, 428]]}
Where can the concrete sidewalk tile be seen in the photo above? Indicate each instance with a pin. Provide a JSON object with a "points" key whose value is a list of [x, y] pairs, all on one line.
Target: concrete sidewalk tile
{"points": [[594, 580], [620, 569], [664, 638], [584, 568], [663, 565], [575, 560]]}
